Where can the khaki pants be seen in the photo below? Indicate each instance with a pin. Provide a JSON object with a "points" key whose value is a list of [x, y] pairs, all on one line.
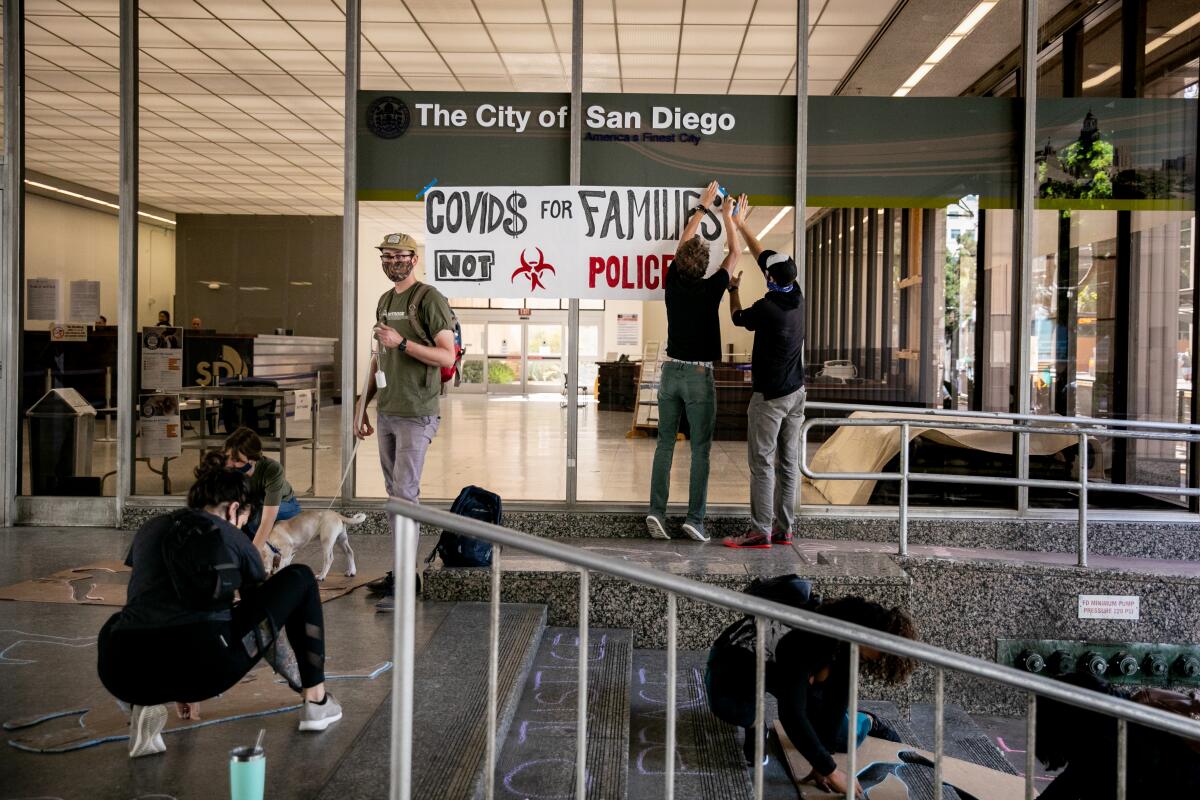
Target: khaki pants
{"points": [[403, 442], [772, 448]]}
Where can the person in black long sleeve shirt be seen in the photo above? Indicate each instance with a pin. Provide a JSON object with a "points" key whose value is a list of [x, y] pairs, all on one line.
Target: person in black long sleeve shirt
{"points": [[1084, 745], [164, 646], [808, 675]]}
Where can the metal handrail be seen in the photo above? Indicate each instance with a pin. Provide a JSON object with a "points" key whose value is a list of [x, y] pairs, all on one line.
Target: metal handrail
{"points": [[1047, 418], [406, 520], [1021, 425]]}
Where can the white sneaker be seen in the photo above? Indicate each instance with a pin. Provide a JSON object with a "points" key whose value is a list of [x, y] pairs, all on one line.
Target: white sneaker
{"points": [[655, 526], [696, 531], [319, 716], [146, 725]]}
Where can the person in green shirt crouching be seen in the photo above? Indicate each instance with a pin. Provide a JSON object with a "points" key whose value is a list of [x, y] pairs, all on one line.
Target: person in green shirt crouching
{"points": [[270, 491]]}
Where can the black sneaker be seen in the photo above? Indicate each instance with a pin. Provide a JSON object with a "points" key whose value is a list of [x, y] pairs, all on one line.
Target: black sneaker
{"points": [[881, 729], [748, 747], [384, 586]]}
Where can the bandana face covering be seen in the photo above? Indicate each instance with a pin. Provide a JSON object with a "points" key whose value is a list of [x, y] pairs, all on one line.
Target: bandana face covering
{"points": [[395, 272], [774, 287]]}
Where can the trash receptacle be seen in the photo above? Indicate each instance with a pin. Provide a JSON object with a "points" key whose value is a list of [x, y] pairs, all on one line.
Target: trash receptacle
{"points": [[62, 426]]}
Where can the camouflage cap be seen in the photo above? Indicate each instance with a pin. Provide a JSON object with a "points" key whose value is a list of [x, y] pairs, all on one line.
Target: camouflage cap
{"points": [[397, 241]]}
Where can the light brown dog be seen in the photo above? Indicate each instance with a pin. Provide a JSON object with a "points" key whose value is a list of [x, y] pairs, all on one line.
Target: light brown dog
{"points": [[326, 526]]}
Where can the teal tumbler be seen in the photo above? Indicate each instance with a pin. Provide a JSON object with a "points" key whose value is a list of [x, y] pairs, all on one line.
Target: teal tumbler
{"points": [[247, 773]]}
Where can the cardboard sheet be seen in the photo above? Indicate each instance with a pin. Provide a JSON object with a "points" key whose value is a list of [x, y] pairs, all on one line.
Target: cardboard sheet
{"points": [[101, 584], [869, 449], [882, 781], [105, 584]]}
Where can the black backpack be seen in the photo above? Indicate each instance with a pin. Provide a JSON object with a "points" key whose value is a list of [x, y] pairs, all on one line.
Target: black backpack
{"points": [[790, 590], [201, 567], [463, 551]]}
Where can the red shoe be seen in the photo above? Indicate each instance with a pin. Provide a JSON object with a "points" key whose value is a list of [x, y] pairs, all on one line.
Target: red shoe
{"points": [[781, 537], [753, 540]]}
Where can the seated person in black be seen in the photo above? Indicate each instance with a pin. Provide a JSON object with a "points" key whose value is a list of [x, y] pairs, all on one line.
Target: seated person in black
{"points": [[1083, 744], [809, 676], [162, 648]]}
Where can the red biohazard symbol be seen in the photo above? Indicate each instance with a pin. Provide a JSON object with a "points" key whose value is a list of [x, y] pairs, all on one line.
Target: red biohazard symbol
{"points": [[533, 271]]}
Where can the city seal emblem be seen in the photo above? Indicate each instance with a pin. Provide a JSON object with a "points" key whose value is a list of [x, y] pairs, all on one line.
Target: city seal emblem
{"points": [[388, 117]]}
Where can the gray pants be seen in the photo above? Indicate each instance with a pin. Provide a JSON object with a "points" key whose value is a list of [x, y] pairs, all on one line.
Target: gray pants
{"points": [[773, 450], [403, 442]]}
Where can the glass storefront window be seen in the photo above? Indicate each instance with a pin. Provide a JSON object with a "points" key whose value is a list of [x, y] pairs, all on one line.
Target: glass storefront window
{"points": [[911, 264]]}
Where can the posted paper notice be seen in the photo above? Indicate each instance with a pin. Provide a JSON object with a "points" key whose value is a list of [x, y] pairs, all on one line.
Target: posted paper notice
{"points": [[159, 432], [162, 358]]}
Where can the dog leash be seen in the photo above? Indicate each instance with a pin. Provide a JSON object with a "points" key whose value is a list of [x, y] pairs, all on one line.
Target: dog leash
{"points": [[360, 412], [350, 463]]}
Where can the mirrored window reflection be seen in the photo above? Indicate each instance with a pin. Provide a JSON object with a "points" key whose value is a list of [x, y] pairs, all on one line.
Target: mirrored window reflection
{"points": [[1112, 317]]}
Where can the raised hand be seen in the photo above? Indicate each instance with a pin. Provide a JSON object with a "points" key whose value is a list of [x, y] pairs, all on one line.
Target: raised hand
{"points": [[743, 210]]}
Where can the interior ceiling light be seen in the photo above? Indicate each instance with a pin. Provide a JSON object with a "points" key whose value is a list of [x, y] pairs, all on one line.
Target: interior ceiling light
{"points": [[783, 212], [1190, 22], [949, 43], [1102, 77], [95, 200], [770, 225]]}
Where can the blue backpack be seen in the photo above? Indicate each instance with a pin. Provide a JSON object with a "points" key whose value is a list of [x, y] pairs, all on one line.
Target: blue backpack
{"points": [[463, 551]]}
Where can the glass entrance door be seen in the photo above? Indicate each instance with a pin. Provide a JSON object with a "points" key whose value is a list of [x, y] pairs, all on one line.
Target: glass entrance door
{"points": [[505, 357], [544, 356]]}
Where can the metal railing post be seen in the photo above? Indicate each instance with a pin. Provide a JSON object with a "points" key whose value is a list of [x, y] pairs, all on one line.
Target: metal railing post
{"points": [[1023, 473], [904, 488], [1122, 754], [493, 676], [1031, 747], [939, 730], [404, 622], [672, 634], [852, 725], [581, 700], [1083, 499], [760, 702]]}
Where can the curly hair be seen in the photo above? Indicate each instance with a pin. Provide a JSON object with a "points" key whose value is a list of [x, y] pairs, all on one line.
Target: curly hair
{"points": [[216, 484], [691, 258], [896, 621]]}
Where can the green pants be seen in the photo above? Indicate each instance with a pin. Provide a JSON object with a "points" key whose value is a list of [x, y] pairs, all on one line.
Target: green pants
{"points": [[684, 387]]}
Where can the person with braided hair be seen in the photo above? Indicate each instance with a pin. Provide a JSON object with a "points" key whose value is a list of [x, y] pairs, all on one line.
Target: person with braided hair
{"points": [[166, 646]]}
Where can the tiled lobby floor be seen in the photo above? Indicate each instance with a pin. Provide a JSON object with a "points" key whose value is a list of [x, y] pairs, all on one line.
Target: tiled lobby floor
{"points": [[513, 445]]}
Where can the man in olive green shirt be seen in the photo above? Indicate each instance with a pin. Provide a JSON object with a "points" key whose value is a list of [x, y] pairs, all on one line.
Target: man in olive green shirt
{"points": [[410, 358]]}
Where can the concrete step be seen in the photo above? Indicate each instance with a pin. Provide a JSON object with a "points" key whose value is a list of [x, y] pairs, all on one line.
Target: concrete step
{"points": [[538, 758], [708, 753], [449, 720]]}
